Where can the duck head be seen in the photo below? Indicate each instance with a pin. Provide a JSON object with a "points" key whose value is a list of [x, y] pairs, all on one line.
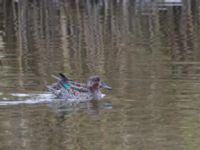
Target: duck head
{"points": [[95, 83]]}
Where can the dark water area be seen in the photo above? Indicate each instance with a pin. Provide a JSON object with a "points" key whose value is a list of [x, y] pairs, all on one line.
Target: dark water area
{"points": [[148, 51]]}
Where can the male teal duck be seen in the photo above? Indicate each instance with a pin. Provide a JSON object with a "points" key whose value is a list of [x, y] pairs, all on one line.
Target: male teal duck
{"points": [[70, 90]]}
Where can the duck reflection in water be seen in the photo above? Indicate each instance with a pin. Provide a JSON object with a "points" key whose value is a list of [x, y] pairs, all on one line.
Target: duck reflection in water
{"points": [[93, 107]]}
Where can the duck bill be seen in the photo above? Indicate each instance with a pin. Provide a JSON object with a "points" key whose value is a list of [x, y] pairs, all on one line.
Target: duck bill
{"points": [[105, 86]]}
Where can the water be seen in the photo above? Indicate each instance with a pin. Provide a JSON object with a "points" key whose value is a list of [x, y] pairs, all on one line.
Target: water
{"points": [[147, 51]]}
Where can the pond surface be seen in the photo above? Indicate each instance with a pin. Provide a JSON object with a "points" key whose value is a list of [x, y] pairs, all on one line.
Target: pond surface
{"points": [[148, 52]]}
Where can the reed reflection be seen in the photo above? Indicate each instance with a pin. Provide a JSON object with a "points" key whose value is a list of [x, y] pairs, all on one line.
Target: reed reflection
{"points": [[147, 50]]}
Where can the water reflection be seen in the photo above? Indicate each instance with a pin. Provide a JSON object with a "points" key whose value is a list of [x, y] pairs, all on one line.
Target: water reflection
{"points": [[63, 108], [79, 43], [147, 50]]}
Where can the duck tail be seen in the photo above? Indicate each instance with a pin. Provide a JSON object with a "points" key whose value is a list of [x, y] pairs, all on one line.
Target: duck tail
{"points": [[64, 81], [56, 77], [61, 81], [63, 77]]}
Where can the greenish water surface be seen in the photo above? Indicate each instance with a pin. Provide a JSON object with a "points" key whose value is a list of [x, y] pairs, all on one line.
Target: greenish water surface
{"points": [[147, 51]]}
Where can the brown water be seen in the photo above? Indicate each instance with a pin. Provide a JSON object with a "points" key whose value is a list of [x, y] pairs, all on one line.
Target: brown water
{"points": [[147, 51]]}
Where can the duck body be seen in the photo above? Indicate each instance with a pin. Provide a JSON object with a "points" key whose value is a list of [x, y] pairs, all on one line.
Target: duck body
{"points": [[70, 90]]}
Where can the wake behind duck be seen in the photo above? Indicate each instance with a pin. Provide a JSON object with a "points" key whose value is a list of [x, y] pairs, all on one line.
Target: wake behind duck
{"points": [[26, 98]]}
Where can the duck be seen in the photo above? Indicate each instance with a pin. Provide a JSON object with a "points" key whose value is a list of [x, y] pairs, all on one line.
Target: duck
{"points": [[70, 90]]}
